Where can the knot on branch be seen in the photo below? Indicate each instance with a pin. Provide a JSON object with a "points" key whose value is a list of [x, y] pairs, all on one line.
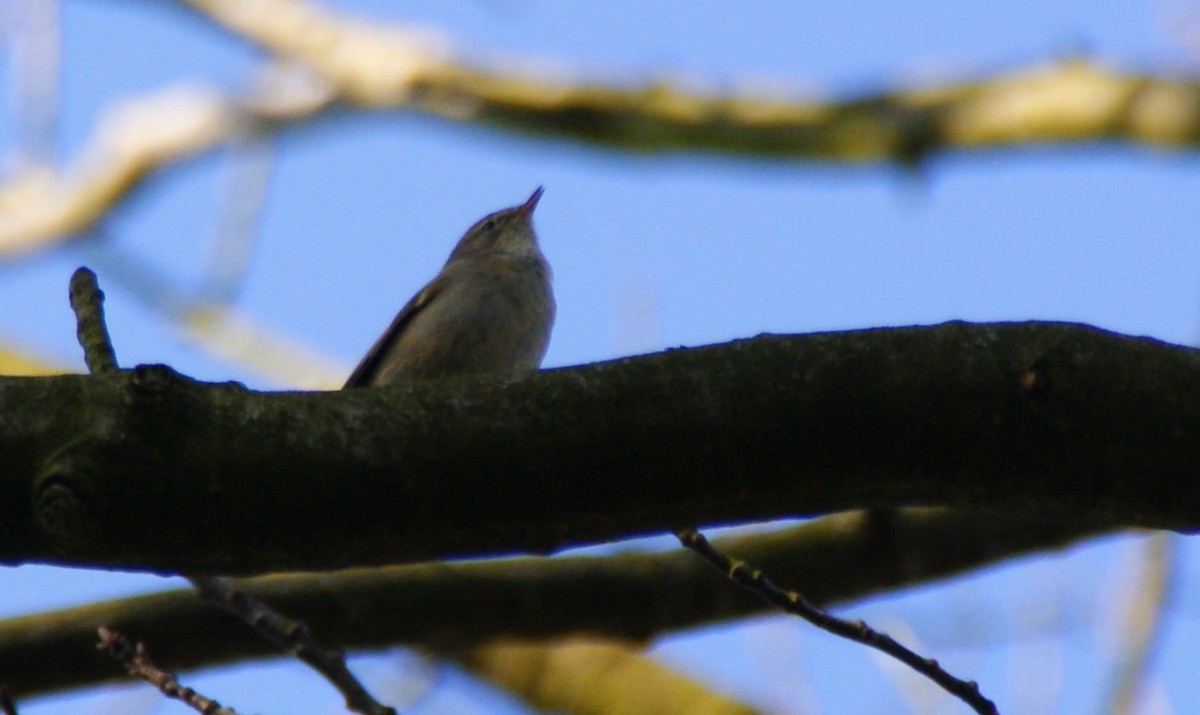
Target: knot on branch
{"points": [[1036, 380], [63, 502], [154, 380]]}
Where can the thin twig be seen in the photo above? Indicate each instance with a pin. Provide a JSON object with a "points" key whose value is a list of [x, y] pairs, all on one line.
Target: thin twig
{"points": [[87, 300], [139, 665], [757, 582], [293, 637]]}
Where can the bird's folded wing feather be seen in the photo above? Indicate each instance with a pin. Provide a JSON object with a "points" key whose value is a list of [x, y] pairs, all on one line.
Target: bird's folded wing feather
{"points": [[365, 373]]}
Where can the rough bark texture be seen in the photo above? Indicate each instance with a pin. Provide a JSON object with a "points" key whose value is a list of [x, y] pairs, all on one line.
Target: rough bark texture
{"points": [[146, 469]]}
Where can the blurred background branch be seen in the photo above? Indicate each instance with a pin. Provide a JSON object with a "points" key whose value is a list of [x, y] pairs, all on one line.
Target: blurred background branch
{"points": [[1067, 102]]}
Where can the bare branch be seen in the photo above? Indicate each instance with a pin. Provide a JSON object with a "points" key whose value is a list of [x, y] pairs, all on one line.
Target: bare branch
{"points": [[460, 605], [758, 583], [40, 208], [843, 557], [87, 301], [293, 637], [215, 478], [139, 665], [374, 65], [368, 63], [367, 66]]}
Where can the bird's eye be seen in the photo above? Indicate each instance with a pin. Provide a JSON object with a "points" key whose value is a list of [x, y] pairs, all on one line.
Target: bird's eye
{"points": [[489, 225]]}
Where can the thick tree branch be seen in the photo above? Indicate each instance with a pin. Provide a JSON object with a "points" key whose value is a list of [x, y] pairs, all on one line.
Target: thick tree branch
{"points": [[146, 469], [456, 606]]}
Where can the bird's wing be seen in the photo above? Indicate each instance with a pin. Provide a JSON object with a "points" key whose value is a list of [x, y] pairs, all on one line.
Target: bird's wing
{"points": [[364, 374]]}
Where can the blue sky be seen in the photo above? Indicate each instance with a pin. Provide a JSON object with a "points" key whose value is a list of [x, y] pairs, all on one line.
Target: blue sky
{"points": [[655, 251]]}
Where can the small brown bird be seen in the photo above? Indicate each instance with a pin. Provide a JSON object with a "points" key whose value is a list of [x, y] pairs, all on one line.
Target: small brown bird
{"points": [[490, 309]]}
